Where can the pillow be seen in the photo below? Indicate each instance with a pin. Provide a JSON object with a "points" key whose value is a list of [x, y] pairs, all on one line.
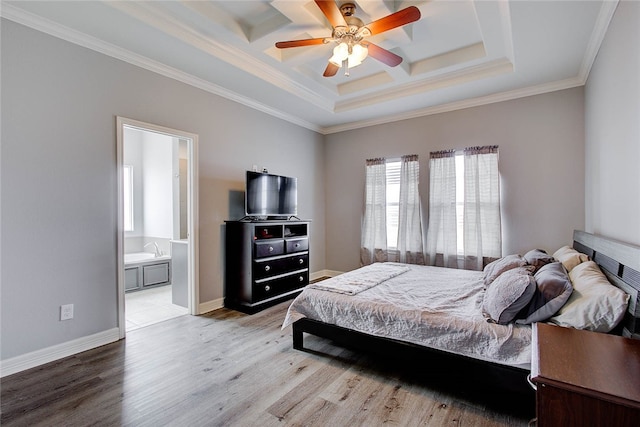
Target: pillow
{"points": [[569, 257], [537, 258], [553, 289], [499, 266], [507, 295], [595, 304]]}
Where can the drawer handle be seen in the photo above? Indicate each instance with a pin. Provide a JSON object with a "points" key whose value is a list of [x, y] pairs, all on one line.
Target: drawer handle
{"points": [[267, 288], [267, 268], [270, 248], [301, 279], [301, 261], [533, 386], [297, 245]]}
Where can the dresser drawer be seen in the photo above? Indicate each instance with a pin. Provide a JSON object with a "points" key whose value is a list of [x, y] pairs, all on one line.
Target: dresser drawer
{"points": [[297, 245], [273, 267], [270, 267], [298, 262], [270, 288], [268, 248]]}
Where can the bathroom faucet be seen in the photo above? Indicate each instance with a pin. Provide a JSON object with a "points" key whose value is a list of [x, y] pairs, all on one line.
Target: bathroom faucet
{"points": [[158, 252]]}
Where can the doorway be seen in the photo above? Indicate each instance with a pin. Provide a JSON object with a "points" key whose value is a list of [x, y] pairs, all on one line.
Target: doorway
{"points": [[157, 218]]}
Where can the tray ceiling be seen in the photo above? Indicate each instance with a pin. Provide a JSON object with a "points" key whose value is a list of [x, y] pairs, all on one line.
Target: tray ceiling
{"points": [[459, 54]]}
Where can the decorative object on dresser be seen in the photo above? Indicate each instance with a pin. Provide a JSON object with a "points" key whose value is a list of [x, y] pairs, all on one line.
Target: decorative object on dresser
{"points": [[585, 378], [266, 262]]}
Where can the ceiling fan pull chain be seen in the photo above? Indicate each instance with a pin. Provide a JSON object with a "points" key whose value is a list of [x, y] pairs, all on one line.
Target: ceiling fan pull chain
{"points": [[345, 64]]}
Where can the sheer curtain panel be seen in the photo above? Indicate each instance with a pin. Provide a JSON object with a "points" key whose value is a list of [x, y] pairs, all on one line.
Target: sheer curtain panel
{"points": [[442, 246], [482, 222], [373, 246], [410, 249]]}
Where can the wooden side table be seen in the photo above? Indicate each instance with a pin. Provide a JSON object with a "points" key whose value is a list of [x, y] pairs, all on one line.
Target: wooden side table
{"points": [[585, 378]]}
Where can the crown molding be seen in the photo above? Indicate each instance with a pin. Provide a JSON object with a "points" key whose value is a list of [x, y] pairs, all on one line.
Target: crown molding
{"points": [[459, 105], [607, 10], [51, 28]]}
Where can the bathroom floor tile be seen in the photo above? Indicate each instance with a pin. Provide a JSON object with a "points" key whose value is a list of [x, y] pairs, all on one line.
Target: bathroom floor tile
{"points": [[149, 306]]}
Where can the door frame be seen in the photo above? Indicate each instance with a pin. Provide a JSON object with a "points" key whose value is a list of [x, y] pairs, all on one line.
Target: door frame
{"points": [[192, 212]]}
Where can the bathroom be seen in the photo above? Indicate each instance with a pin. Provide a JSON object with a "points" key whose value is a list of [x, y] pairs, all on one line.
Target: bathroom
{"points": [[155, 226]]}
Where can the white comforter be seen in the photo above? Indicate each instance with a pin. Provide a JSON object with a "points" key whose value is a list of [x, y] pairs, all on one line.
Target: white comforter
{"points": [[429, 306]]}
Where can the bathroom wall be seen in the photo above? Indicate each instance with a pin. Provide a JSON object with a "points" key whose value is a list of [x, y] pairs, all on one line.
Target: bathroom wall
{"points": [[153, 158]]}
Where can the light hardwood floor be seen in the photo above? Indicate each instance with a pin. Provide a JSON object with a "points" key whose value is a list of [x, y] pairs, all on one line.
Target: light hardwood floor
{"points": [[231, 369]]}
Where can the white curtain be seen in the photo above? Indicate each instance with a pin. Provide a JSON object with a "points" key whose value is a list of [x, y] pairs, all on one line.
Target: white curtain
{"points": [[410, 248], [482, 223], [442, 247], [374, 225]]}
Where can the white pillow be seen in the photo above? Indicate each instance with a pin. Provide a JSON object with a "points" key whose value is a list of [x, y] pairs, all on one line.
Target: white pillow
{"points": [[569, 257], [595, 304]]}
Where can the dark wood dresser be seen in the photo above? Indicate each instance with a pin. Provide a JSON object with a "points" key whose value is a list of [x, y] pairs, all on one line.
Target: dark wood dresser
{"points": [[266, 263], [585, 378]]}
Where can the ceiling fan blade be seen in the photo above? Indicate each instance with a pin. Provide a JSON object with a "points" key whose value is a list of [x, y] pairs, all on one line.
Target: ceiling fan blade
{"points": [[397, 19], [384, 55], [298, 43], [331, 11], [331, 70]]}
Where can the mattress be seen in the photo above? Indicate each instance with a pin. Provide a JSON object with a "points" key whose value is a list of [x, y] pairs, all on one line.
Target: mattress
{"points": [[429, 306]]}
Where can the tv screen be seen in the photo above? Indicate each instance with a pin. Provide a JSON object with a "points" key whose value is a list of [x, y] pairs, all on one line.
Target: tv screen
{"points": [[270, 195]]}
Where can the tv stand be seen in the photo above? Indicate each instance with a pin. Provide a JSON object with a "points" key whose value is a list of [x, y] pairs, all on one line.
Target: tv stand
{"points": [[266, 262]]}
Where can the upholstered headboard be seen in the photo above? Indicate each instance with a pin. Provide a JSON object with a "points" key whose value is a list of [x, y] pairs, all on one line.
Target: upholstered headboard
{"points": [[620, 262]]}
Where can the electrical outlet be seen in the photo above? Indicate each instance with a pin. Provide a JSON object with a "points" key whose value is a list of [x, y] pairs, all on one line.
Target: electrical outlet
{"points": [[66, 312]]}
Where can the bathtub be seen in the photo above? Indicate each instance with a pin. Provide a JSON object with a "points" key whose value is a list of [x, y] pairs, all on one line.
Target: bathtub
{"points": [[144, 269], [138, 257]]}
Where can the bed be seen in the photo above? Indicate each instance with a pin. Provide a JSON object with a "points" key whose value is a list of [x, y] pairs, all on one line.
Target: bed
{"points": [[392, 310]]}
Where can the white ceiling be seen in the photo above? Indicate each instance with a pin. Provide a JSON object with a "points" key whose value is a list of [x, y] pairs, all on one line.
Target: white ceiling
{"points": [[459, 54]]}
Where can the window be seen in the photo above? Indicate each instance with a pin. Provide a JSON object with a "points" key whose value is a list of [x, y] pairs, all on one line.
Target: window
{"points": [[392, 222], [464, 208], [460, 201], [127, 182], [393, 202]]}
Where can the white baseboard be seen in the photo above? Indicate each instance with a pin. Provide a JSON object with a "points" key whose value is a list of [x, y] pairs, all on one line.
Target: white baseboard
{"points": [[56, 352], [208, 306]]}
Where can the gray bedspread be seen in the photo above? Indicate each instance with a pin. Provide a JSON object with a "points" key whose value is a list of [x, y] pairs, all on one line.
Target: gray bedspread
{"points": [[429, 306]]}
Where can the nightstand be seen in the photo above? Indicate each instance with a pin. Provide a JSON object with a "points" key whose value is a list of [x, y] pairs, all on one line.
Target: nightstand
{"points": [[585, 378]]}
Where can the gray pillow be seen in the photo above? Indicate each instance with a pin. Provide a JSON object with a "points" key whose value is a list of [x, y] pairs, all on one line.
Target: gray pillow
{"points": [[538, 258], [499, 266], [508, 294], [552, 291]]}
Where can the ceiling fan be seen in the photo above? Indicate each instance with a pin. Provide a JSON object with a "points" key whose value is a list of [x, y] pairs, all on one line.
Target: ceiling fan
{"points": [[349, 33]]}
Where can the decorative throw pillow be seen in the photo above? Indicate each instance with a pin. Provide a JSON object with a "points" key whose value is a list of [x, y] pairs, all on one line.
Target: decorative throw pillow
{"points": [[507, 295], [537, 258], [553, 289], [595, 304], [569, 257], [499, 266]]}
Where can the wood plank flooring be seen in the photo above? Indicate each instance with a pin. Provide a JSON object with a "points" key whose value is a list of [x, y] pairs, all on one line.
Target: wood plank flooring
{"points": [[231, 369]]}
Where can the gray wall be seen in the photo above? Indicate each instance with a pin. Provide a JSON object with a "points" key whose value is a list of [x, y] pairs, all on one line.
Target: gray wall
{"points": [[612, 99], [541, 141], [59, 108]]}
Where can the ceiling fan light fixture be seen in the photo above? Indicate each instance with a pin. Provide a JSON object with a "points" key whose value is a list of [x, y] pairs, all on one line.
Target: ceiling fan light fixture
{"points": [[358, 54], [340, 53], [354, 58]]}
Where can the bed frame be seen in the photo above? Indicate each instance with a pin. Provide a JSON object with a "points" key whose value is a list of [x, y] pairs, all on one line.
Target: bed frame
{"points": [[619, 261]]}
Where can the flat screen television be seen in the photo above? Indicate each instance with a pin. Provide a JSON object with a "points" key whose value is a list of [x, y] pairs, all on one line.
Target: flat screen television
{"points": [[270, 195]]}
